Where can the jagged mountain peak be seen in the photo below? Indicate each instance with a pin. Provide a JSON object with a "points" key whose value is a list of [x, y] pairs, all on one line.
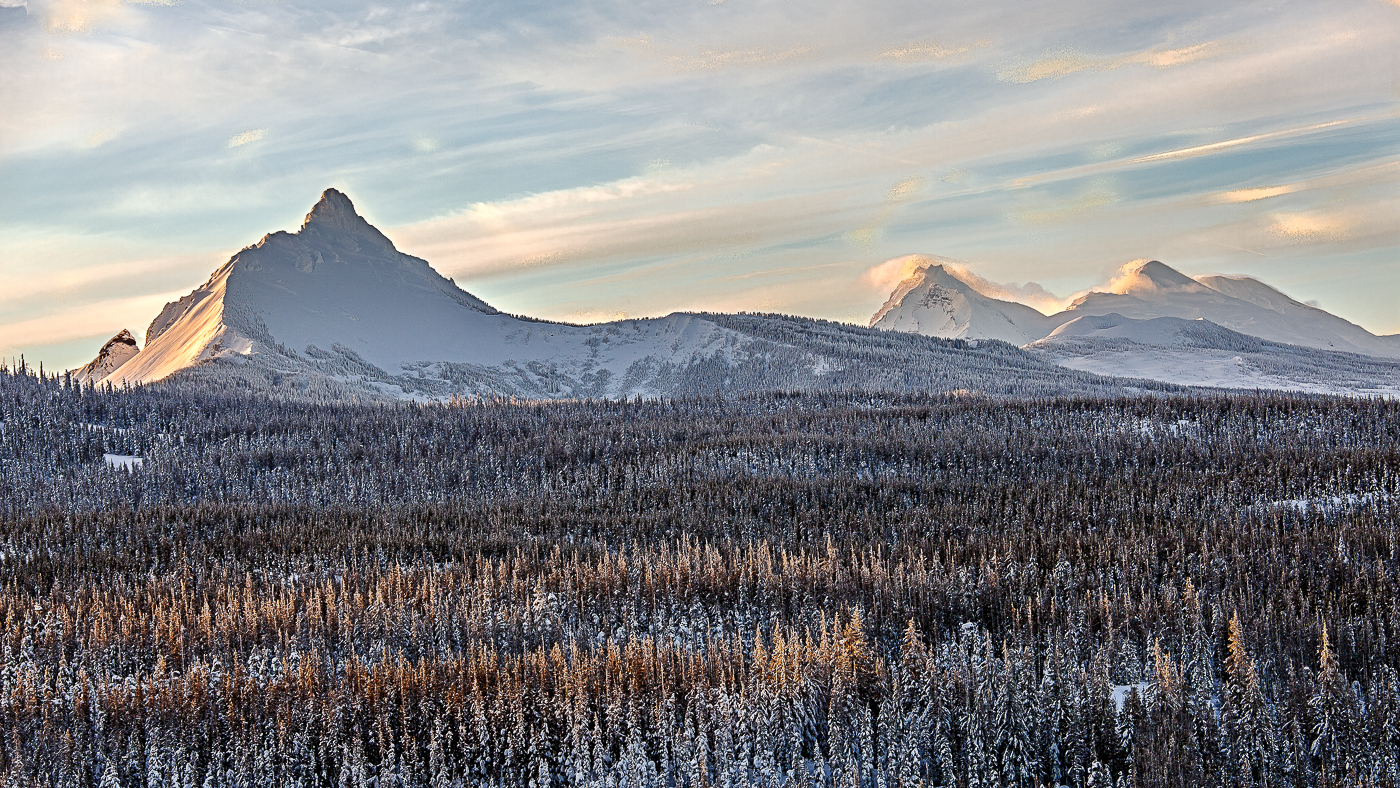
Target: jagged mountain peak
{"points": [[333, 219], [1163, 275], [332, 210], [946, 300], [123, 337], [117, 351]]}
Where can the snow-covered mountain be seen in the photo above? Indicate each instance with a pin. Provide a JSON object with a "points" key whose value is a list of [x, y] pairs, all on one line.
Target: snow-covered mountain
{"points": [[118, 350], [942, 301], [1155, 322], [1240, 303], [334, 310], [936, 302]]}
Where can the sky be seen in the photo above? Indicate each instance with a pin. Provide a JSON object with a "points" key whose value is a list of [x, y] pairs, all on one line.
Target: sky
{"points": [[594, 160]]}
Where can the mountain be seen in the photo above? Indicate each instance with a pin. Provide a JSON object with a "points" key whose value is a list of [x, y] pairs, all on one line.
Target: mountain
{"points": [[334, 310], [936, 302], [1344, 335], [944, 302], [118, 350], [1240, 303], [1201, 353], [1154, 322]]}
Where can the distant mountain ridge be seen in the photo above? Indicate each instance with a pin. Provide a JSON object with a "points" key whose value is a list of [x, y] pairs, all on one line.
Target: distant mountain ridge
{"points": [[335, 310], [1152, 305], [1150, 290]]}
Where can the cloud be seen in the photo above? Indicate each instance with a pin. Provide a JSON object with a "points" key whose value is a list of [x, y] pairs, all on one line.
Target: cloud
{"points": [[680, 60], [1255, 193], [1069, 62], [925, 51], [81, 16], [870, 233], [1069, 210], [98, 137], [885, 276], [94, 282], [1125, 280], [1382, 173], [1314, 227], [1193, 151], [99, 317], [244, 137]]}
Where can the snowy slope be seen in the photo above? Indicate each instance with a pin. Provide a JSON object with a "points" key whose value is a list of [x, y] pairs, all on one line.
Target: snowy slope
{"points": [[1339, 334], [1201, 353], [185, 333], [118, 350], [1153, 331], [334, 310], [934, 301]]}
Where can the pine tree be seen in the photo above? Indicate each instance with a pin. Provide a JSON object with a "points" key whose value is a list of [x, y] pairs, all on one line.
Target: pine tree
{"points": [[1332, 706], [1246, 722], [110, 778]]}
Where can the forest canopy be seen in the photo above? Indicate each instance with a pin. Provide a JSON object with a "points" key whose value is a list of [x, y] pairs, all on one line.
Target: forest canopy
{"points": [[849, 589]]}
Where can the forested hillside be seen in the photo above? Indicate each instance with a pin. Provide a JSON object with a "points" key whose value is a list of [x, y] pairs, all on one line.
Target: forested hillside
{"points": [[778, 590]]}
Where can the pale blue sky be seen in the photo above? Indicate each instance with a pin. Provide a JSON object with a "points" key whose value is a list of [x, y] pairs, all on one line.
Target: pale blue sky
{"points": [[590, 160]]}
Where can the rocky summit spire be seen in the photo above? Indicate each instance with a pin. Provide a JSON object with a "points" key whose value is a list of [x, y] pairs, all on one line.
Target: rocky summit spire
{"points": [[334, 215], [118, 350], [333, 210]]}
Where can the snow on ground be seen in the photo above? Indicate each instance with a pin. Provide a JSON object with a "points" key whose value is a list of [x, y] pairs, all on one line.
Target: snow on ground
{"points": [[1219, 369], [124, 461], [1330, 503], [1121, 692]]}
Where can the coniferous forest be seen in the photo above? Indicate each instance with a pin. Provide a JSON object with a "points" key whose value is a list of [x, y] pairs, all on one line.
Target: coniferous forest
{"points": [[836, 589]]}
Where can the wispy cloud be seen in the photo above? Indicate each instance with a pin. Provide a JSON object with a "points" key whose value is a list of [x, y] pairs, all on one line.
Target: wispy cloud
{"points": [[1255, 193], [244, 137], [1192, 151], [929, 50], [1066, 63]]}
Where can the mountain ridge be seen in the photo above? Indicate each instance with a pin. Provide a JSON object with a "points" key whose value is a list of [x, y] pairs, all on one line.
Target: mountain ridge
{"points": [[1153, 289], [335, 310]]}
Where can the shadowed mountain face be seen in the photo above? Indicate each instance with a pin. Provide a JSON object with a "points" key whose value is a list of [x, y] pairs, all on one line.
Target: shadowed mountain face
{"points": [[334, 310], [936, 303]]}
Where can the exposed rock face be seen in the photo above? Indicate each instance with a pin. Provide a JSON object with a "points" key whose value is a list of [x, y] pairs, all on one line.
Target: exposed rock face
{"points": [[118, 350]]}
